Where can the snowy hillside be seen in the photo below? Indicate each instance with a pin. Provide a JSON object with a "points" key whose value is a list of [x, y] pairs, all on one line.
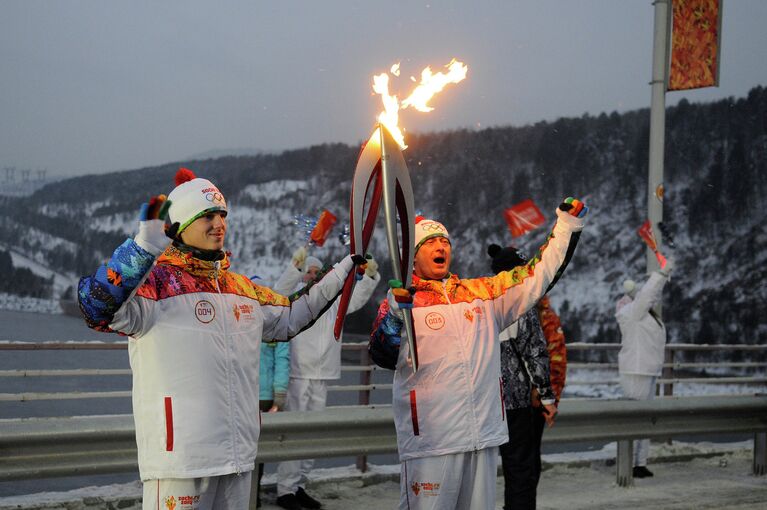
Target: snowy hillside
{"points": [[716, 163]]}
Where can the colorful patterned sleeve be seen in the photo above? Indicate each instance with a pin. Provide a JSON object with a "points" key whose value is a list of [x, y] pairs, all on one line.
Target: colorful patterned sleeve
{"points": [[103, 293], [385, 338], [555, 342]]}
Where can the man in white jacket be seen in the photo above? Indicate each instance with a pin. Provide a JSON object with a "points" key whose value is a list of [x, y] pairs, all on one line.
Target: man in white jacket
{"points": [[450, 415], [195, 331], [315, 359], [643, 344]]}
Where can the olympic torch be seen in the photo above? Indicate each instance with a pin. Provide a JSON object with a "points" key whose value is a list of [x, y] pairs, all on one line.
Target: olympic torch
{"points": [[381, 173]]}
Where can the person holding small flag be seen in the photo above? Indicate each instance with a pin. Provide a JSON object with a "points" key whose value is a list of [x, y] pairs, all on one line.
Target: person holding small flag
{"points": [[643, 346]]}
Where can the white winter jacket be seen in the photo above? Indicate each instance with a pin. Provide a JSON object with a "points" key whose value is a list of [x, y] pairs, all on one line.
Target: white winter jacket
{"points": [[643, 337], [195, 335], [454, 403], [315, 353]]}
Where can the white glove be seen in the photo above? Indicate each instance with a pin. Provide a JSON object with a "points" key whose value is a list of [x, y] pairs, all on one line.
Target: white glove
{"points": [[299, 258], [372, 267]]}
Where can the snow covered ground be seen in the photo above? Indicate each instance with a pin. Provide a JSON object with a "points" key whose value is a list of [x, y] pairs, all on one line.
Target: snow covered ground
{"points": [[687, 476]]}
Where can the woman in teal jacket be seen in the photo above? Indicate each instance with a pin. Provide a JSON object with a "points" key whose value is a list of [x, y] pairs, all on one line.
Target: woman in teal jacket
{"points": [[274, 374]]}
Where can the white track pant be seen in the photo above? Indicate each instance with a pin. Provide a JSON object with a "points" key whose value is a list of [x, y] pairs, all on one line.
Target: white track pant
{"points": [[303, 395], [225, 492], [639, 387], [458, 481]]}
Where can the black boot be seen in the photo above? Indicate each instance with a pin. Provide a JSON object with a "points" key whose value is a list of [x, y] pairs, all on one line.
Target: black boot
{"points": [[641, 472], [306, 500], [289, 502]]}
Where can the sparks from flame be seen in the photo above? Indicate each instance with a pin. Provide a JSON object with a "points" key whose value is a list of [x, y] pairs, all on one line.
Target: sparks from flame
{"points": [[430, 84]]}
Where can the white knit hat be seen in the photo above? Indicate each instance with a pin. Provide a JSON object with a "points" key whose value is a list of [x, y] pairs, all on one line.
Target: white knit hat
{"points": [[312, 262], [426, 229], [193, 197]]}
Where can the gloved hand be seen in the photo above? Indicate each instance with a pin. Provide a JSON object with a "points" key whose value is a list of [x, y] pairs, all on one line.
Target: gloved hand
{"points": [[151, 227], [668, 267], [278, 404], [399, 298], [299, 258], [574, 207], [372, 266]]}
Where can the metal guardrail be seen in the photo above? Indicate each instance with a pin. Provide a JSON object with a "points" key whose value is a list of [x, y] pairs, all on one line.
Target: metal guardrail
{"points": [[52, 447], [365, 369]]}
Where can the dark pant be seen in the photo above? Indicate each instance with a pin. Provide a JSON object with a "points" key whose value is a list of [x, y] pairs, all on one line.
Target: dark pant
{"points": [[521, 460], [539, 423]]}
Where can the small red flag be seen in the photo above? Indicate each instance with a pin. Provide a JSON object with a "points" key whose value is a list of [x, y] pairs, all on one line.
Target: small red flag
{"points": [[523, 217], [647, 235], [323, 227]]}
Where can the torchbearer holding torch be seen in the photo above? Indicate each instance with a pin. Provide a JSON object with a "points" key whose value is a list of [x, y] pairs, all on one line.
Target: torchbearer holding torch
{"points": [[450, 415], [194, 333]]}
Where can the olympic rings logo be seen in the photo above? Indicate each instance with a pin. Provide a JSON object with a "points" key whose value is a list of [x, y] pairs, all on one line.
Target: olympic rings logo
{"points": [[214, 197], [432, 226]]}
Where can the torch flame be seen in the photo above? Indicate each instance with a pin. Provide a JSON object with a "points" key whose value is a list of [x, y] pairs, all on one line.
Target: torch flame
{"points": [[430, 84]]}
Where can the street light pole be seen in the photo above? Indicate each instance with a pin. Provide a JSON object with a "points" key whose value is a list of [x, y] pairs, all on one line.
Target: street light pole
{"points": [[657, 123]]}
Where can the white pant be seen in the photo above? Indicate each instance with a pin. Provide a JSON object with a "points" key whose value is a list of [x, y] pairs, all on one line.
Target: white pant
{"points": [[225, 492], [639, 387], [457, 481], [303, 395]]}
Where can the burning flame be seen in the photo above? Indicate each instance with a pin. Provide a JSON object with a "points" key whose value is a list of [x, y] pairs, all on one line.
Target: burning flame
{"points": [[429, 85]]}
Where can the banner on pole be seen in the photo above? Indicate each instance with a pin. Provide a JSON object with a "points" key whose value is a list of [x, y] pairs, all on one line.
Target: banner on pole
{"points": [[523, 217], [695, 44]]}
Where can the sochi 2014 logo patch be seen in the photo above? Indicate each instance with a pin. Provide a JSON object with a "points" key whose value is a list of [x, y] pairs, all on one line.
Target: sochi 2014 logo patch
{"points": [[170, 503], [434, 321], [204, 311], [425, 488]]}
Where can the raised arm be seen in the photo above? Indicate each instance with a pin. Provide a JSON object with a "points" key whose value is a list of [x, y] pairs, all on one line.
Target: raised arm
{"points": [[517, 290], [111, 288], [282, 321]]}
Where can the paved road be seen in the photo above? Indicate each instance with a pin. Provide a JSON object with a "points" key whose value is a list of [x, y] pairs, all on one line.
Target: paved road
{"points": [[721, 482]]}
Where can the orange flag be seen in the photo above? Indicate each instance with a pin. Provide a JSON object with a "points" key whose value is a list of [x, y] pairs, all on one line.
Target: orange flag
{"points": [[323, 227]]}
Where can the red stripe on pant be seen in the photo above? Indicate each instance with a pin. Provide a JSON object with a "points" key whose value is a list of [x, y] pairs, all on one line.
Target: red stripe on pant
{"points": [[168, 424], [503, 406], [414, 412]]}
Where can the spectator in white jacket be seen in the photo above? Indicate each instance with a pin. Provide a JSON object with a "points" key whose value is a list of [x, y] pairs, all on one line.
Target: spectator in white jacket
{"points": [[315, 359], [643, 343]]}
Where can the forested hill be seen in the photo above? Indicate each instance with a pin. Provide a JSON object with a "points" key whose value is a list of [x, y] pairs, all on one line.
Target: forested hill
{"points": [[716, 162]]}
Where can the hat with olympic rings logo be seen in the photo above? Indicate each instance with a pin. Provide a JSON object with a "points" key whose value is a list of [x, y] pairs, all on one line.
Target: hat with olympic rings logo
{"points": [[192, 198], [425, 229]]}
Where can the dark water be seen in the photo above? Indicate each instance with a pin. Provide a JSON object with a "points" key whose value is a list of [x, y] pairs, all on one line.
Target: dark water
{"points": [[36, 327]]}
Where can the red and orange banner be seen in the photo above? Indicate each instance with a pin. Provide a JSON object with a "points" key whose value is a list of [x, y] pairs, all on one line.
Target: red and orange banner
{"points": [[523, 217], [695, 43]]}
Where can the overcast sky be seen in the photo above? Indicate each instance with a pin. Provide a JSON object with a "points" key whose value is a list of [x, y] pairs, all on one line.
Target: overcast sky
{"points": [[93, 86]]}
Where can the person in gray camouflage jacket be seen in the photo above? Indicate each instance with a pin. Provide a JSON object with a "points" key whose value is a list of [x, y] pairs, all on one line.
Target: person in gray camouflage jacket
{"points": [[524, 365]]}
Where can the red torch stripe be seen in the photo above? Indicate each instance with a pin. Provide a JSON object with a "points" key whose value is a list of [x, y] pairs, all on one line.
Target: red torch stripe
{"points": [[503, 406], [168, 424], [414, 412]]}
